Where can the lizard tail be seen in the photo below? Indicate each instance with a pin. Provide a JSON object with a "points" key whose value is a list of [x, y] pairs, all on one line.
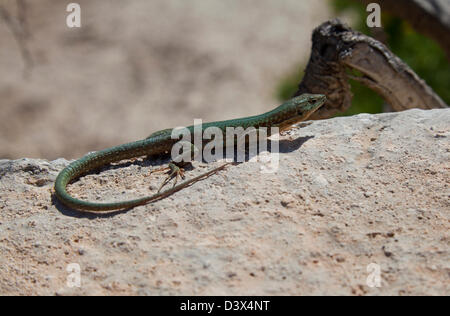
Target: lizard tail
{"points": [[70, 172]]}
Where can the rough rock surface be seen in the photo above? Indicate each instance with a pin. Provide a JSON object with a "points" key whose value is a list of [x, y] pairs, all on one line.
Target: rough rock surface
{"points": [[348, 192]]}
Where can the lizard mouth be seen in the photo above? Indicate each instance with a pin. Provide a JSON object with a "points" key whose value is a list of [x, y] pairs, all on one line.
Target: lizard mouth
{"points": [[316, 103]]}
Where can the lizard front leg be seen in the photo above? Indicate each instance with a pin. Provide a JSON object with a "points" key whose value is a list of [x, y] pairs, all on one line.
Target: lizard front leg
{"points": [[176, 166]]}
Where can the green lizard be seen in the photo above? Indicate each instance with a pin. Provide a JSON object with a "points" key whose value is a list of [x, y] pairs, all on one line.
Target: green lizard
{"points": [[284, 116]]}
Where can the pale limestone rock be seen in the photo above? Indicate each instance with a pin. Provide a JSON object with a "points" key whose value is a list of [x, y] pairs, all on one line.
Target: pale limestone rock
{"points": [[348, 192]]}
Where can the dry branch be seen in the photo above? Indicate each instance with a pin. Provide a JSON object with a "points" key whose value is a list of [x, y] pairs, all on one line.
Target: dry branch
{"points": [[429, 17], [337, 50]]}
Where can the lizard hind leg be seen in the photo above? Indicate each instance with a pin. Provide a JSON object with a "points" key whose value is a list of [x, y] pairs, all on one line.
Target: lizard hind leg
{"points": [[175, 172], [175, 167]]}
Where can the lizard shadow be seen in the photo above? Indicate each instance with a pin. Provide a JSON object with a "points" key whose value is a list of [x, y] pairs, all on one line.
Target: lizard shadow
{"points": [[288, 146], [284, 146]]}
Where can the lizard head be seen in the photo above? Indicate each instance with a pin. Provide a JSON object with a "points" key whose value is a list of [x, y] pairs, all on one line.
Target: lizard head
{"points": [[299, 108], [306, 104]]}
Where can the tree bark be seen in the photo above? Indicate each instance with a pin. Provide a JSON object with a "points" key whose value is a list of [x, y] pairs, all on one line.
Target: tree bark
{"points": [[337, 50]]}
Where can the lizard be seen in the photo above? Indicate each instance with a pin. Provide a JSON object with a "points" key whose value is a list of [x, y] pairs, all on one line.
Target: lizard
{"points": [[293, 111]]}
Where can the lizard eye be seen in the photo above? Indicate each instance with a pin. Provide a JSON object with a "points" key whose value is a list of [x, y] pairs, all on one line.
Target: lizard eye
{"points": [[316, 99]]}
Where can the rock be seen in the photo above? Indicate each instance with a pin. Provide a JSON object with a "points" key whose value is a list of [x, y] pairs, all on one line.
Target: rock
{"points": [[351, 195]]}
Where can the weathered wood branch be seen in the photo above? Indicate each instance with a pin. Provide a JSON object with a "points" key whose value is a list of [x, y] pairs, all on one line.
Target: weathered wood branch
{"points": [[337, 50], [429, 17]]}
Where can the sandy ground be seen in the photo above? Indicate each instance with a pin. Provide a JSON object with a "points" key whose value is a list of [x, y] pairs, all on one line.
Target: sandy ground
{"points": [[138, 66]]}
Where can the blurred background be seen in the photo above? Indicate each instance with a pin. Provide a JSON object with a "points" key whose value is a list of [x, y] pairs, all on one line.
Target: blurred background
{"points": [[138, 66]]}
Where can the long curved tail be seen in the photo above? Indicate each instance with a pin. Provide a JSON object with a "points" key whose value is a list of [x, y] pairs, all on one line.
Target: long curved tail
{"points": [[72, 171]]}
